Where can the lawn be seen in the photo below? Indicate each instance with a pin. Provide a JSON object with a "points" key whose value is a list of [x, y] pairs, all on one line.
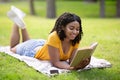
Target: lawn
{"points": [[104, 31]]}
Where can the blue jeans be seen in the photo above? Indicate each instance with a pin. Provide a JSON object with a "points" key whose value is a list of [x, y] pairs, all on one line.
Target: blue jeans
{"points": [[27, 48]]}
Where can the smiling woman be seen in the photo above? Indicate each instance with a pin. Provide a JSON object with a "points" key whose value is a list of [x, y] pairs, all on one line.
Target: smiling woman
{"points": [[61, 45], [72, 30]]}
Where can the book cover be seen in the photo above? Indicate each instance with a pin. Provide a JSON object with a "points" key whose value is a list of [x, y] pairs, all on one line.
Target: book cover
{"points": [[83, 53]]}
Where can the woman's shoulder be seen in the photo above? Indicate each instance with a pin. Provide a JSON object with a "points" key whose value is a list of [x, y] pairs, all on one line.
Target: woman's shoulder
{"points": [[53, 36], [53, 33]]}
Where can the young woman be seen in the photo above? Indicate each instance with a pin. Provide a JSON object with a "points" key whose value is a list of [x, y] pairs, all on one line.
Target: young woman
{"points": [[59, 48]]}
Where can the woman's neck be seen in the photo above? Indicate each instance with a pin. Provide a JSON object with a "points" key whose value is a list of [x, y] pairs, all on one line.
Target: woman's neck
{"points": [[66, 40]]}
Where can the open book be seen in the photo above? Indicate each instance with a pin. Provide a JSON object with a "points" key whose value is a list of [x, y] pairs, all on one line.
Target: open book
{"points": [[83, 53]]}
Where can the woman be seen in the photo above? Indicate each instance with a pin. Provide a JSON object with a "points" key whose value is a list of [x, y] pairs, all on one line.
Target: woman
{"points": [[61, 45]]}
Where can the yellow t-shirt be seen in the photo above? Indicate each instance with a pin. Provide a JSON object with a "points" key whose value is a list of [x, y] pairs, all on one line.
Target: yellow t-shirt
{"points": [[53, 40]]}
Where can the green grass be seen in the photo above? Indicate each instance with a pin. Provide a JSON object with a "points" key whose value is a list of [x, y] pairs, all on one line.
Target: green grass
{"points": [[104, 31]]}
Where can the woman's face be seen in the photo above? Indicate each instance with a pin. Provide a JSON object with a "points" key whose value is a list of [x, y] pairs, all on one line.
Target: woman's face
{"points": [[72, 30]]}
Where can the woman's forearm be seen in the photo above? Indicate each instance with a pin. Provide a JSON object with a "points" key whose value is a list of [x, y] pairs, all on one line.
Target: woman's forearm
{"points": [[62, 65]]}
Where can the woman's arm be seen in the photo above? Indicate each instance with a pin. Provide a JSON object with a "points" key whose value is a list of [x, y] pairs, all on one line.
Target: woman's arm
{"points": [[55, 59], [72, 55]]}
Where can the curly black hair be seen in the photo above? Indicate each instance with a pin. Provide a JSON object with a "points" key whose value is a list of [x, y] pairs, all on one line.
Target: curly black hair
{"points": [[62, 21]]}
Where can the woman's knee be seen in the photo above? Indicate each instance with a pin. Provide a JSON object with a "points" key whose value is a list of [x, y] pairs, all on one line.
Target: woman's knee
{"points": [[13, 49]]}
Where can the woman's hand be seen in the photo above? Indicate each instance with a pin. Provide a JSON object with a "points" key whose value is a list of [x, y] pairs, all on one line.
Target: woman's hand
{"points": [[83, 64]]}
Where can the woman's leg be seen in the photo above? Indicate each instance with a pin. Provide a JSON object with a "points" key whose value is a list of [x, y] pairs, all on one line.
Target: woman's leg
{"points": [[16, 15], [15, 37], [25, 35]]}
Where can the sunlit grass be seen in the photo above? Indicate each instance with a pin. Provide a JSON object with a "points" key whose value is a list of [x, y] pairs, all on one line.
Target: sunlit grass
{"points": [[104, 31]]}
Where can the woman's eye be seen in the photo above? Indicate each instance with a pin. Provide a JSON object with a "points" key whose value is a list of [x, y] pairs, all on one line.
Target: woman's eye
{"points": [[77, 29], [71, 28]]}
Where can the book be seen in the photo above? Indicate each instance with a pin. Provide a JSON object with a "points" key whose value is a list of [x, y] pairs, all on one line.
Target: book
{"points": [[83, 53]]}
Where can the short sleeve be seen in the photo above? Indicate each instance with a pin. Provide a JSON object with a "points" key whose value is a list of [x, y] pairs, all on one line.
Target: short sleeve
{"points": [[53, 40]]}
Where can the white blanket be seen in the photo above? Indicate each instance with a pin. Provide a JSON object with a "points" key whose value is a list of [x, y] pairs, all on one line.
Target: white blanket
{"points": [[46, 67]]}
